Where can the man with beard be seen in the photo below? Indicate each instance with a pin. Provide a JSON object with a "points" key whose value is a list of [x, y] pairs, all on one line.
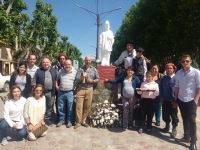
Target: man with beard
{"points": [[86, 77], [66, 77], [46, 76]]}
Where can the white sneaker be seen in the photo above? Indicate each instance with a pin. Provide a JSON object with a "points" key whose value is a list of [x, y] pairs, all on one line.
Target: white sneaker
{"points": [[4, 141]]}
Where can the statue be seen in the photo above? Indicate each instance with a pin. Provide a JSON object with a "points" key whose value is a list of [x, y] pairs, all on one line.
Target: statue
{"points": [[105, 43]]}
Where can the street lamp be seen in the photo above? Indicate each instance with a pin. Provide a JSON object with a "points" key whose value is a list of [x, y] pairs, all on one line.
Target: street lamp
{"points": [[98, 24]]}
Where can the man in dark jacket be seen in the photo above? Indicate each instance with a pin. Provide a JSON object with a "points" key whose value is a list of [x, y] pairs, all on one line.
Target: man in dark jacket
{"points": [[46, 76]]}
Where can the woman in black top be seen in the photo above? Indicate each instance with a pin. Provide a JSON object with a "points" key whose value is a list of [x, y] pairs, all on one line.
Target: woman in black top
{"points": [[22, 79]]}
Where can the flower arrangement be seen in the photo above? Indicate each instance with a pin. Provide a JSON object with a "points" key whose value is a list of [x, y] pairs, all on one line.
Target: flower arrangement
{"points": [[105, 114]]}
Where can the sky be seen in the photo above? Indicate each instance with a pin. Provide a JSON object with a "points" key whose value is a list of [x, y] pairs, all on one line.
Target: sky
{"points": [[79, 25]]}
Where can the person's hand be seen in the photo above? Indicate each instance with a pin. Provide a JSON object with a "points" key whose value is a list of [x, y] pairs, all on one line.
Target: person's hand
{"points": [[30, 127], [174, 105], [162, 100], [106, 80], [196, 101], [84, 74], [15, 126], [89, 80], [57, 88], [138, 99], [42, 122]]}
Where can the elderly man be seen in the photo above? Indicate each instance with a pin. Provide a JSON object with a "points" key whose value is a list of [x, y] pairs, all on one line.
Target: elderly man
{"points": [[31, 67], [127, 55], [86, 77], [187, 93], [66, 78], [106, 42], [46, 76]]}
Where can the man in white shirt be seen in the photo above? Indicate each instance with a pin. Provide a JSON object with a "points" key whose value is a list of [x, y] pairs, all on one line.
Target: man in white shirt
{"points": [[127, 55], [31, 67]]}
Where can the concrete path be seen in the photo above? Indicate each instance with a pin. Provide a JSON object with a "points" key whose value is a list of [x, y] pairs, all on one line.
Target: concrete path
{"points": [[99, 139]]}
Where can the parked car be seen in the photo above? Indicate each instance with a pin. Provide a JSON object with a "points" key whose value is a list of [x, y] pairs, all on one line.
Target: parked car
{"points": [[4, 82]]}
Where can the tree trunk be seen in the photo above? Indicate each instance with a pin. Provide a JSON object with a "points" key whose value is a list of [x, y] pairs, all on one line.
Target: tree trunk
{"points": [[9, 7]]}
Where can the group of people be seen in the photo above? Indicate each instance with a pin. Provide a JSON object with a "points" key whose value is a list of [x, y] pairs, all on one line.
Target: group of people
{"points": [[159, 94], [32, 92]]}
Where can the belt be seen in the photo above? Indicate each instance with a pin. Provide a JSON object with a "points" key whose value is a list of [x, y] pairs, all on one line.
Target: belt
{"points": [[85, 86], [66, 91]]}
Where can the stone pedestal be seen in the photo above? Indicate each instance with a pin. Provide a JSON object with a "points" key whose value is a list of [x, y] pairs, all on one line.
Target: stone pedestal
{"points": [[105, 91]]}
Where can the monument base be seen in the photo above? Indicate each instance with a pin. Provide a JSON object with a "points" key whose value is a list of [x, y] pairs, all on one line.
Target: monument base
{"points": [[106, 72], [105, 91]]}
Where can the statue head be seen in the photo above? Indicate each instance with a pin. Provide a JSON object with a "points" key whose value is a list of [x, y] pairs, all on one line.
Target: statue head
{"points": [[107, 25]]}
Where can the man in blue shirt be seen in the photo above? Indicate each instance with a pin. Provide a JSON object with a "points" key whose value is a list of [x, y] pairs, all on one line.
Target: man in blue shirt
{"points": [[167, 99], [187, 93]]}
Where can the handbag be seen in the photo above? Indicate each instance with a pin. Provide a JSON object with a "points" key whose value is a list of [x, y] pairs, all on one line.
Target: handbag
{"points": [[39, 129]]}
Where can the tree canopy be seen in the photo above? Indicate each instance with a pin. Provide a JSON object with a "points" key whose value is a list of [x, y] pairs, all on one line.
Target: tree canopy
{"points": [[165, 29], [38, 35]]}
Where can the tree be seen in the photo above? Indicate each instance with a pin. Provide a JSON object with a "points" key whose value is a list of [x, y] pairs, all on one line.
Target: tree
{"points": [[165, 29]]}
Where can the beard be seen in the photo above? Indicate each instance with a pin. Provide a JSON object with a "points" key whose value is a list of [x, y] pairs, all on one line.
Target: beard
{"points": [[68, 69]]}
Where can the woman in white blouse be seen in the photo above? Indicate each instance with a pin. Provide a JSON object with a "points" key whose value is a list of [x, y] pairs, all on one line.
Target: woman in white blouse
{"points": [[13, 114], [34, 110]]}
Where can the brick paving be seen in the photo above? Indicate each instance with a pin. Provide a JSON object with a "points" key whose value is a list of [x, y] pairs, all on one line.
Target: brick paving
{"points": [[99, 139]]}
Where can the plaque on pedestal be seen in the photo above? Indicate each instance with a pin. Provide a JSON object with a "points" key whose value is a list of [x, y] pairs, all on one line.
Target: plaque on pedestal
{"points": [[106, 72]]}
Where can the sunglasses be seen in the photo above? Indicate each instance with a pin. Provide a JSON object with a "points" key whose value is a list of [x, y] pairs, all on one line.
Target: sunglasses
{"points": [[183, 61]]}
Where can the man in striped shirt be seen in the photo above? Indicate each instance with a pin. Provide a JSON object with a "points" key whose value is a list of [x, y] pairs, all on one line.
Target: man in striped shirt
{"points": [[66, 77]]}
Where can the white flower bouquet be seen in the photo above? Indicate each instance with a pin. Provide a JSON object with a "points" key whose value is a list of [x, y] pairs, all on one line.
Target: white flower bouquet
{"points": [[105, 114]]}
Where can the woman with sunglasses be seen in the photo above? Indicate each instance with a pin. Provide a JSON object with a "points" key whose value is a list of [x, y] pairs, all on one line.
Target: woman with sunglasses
{"points": [[22, 79], [13, 114], [34, 110]]}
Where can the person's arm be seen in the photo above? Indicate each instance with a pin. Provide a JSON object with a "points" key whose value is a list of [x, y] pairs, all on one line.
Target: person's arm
{"points": [[27, 117], [42, 120], [97, 78], [79, 78], [57, 81], [161, 91], [142, 85], [12, 81], [116, 80], [197, 78], [138, 96], [6, 114], [156, 93], [176, 87], [145, 68], [120, 59], [28, 87]]}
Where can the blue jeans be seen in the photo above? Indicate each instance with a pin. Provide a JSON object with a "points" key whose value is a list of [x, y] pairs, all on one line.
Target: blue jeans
{"points": [[4, 126], [158, 110], [66, 99], [49, 105]]}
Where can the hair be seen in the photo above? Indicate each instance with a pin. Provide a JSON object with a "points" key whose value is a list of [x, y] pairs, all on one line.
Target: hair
{"points": [[22, 64], [186, 56], [10, 95], [149, 73], [32, 55], [34, 88], [131, 68]]}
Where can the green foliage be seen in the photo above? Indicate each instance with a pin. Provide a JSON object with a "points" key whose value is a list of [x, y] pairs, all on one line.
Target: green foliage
{"points": [[165, 29], [39, 35]]}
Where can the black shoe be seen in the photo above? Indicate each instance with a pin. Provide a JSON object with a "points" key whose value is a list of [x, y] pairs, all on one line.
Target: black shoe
{"points": [[49, 123], [193, 146], [164, 130], [184, 139], [174, 133], [157, 123]]}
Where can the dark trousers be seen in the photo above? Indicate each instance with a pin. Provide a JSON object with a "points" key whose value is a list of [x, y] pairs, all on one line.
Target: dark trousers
{"points": [[188, 113], [147, 111], [56, 103], [169, 113]]}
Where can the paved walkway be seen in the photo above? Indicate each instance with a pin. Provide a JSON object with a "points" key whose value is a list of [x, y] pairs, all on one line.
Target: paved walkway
{"points": [[99, 139]]}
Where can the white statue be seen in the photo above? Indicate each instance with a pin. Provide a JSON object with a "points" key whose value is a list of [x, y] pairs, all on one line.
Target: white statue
{"points": [[105, 43]]}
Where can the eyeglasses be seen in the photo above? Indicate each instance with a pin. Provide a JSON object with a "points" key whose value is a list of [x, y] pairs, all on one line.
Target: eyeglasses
{"points": [[38, 90], [183, 61]]}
